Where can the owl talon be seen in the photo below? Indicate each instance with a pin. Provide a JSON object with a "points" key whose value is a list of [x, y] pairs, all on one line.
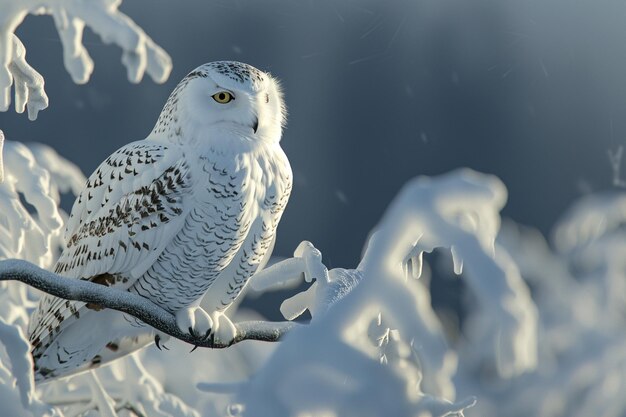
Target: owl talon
{"points": [[194, 321], [207, 336], [157, 342], [225, 331]]}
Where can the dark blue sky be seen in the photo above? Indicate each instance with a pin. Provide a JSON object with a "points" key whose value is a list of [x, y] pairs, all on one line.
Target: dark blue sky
{"points": [[378, 91]]}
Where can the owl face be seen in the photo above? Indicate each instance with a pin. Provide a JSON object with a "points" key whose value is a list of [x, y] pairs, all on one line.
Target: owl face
{"points": [[234, 98]]}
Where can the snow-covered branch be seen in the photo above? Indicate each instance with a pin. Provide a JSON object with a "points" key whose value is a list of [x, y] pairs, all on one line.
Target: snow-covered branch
{"points": [[135, 305], [29, 84], [140, 53]]}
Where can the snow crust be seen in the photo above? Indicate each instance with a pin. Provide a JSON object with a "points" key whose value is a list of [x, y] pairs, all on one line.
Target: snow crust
{"points": [[140, 54]]}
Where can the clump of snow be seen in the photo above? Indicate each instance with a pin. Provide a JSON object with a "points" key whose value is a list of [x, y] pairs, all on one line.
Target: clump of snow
{"points": [[140, 54]]}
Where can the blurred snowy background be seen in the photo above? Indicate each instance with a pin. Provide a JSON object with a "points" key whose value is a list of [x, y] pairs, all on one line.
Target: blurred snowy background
{"points": [[380, 92]]}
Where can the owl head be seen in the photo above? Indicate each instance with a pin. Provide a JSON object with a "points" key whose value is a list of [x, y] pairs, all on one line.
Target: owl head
{"points": [[221, 100]]}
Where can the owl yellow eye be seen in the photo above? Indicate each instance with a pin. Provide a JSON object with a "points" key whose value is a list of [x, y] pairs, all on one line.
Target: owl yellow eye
{"points": [[223, 97]]}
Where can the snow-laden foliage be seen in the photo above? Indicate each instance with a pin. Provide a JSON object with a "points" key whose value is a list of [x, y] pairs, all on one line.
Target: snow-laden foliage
{"points": [[578, 288], [140, 53], [30, 221]]}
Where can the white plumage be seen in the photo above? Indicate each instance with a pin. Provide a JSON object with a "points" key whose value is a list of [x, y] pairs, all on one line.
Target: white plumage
{"points": [[191, 210]]}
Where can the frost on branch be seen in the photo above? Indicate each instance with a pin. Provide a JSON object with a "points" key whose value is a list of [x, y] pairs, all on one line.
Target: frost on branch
{"points": [[140, 53]]}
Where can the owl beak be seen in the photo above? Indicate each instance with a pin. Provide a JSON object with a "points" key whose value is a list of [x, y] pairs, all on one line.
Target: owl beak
{"points": [[255, 125]]}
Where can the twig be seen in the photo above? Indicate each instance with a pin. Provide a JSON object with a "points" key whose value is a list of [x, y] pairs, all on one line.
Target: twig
{"points": [[133, 304]]}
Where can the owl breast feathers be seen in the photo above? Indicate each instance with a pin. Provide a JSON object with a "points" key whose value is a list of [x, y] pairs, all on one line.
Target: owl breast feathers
{"points": [[187, 215]]}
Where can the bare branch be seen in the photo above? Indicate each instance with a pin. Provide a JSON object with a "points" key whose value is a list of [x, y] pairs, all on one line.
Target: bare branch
{"points": [[133, 304]]}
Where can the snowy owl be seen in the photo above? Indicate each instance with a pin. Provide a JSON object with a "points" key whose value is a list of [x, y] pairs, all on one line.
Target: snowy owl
{"points": [[187, 214]]}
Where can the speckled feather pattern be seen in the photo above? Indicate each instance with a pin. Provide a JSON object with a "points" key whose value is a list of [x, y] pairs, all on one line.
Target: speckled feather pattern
{"points": [[168, 220]]}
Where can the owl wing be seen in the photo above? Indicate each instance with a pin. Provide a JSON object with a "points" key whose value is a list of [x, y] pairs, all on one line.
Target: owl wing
{"points": [[130, 209]]}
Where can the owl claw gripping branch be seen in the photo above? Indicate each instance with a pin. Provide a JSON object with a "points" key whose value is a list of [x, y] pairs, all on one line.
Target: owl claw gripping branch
{"points": [[185, 216]]}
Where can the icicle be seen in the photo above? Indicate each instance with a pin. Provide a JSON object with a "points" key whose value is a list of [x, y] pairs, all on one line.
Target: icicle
{"points": [[457, 261], [417, 263], [406, 269]]}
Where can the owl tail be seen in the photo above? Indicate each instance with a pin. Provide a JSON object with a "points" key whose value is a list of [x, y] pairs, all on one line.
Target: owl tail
{"points": [[95, 339]]}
